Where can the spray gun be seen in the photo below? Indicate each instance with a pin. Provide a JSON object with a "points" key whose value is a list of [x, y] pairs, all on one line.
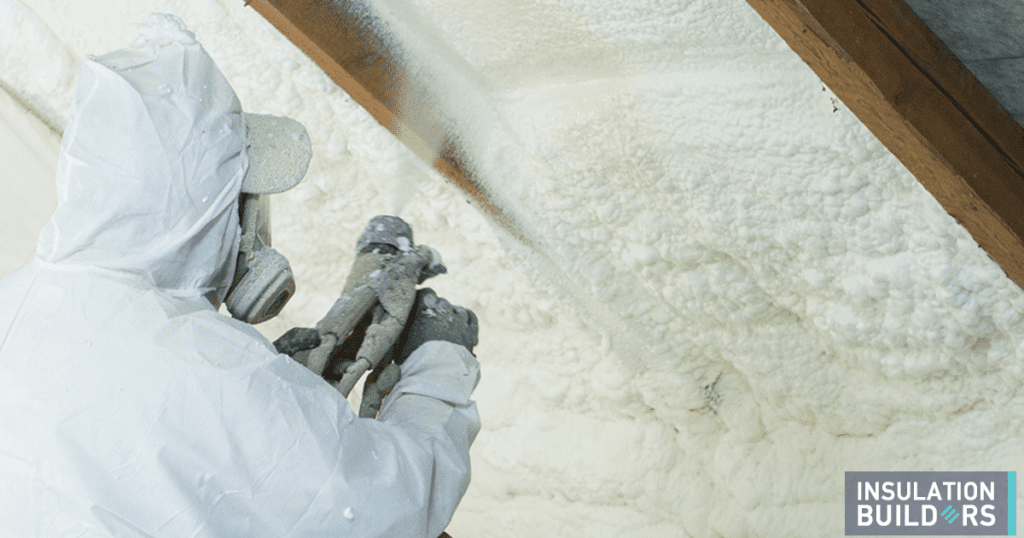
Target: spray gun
{"points": [[363, 325]]}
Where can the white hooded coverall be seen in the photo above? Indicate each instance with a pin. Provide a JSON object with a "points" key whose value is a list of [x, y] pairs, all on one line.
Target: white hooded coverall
{"points": [[130, 407]]}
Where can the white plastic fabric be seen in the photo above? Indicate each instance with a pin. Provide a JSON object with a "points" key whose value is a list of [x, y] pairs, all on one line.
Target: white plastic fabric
{"points": [[130, 407]]}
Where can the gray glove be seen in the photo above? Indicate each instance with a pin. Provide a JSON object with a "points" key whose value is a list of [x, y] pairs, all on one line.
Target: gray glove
{"points": [[433, 318], [297, 339]]}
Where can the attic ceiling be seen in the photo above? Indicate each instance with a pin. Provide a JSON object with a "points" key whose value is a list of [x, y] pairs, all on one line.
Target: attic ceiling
{"points": [[914, 82]]}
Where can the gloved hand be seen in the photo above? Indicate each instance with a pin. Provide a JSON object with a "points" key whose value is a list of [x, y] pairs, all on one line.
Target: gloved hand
{"points": [[297, 339], [434, 318]]}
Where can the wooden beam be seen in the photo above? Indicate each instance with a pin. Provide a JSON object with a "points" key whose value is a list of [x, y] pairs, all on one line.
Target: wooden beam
{"points": [[921, 102], [342, 40]]}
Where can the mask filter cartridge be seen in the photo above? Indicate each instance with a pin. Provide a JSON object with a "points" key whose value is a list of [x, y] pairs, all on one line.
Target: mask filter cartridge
{"points": [[264, 289], [263, 278]]}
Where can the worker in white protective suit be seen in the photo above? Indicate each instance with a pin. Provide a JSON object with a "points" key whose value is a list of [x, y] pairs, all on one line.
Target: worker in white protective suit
{"points": [[129, 406]]}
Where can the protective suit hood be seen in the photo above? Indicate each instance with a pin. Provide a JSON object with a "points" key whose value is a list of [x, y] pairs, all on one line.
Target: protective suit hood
{"points": [[151, 166]]}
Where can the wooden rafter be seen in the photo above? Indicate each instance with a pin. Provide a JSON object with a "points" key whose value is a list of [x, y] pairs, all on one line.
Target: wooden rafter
{"points": [[345, 44], [906, 86]]}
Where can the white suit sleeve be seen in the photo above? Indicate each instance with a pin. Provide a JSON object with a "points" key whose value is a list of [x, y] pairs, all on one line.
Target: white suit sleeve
{"points": [[404, 473], [431, 403]]}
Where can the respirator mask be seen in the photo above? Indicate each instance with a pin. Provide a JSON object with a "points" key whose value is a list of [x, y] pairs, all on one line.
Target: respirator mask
{"points": [[279, 154]]}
